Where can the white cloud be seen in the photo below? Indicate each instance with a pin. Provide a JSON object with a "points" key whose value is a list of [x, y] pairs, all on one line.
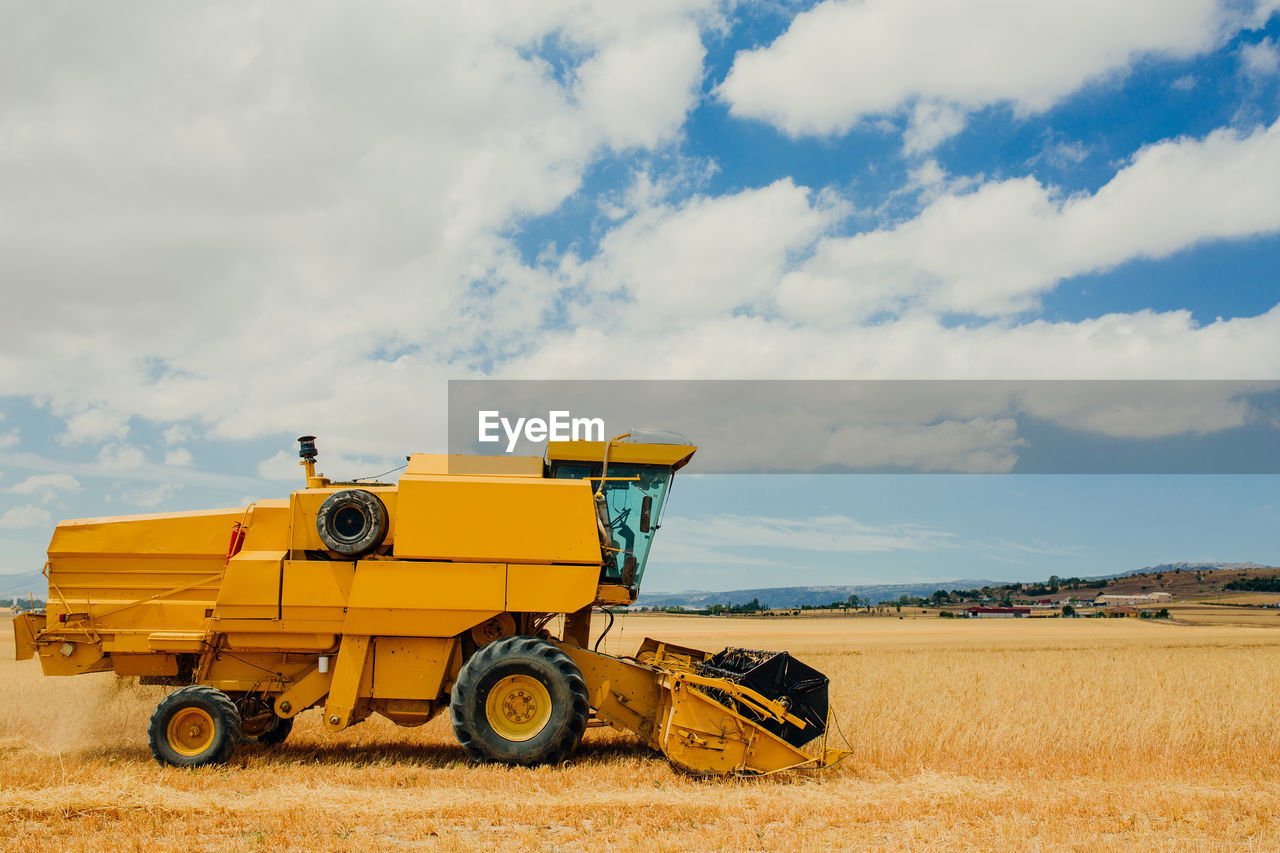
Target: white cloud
{"points": [[844, 61], [995, 250], [304, 174], [301, 228], [707, 255], [1261, 59], [152, 497], [22, 517], [282, 466], [96, 424], [46, 486], [180, 457], [285, 466], [930, 124], [1143, 345], [9, 439], [632, 87], [977, 445], [834, 533], [177, 434], [120, 457]]}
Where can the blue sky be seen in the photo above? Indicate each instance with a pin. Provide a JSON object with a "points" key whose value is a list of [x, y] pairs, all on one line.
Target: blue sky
{"points": [[225, 227]]}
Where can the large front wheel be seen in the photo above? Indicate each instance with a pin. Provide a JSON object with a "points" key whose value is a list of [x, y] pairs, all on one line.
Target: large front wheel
{"points": [[519, 700]]}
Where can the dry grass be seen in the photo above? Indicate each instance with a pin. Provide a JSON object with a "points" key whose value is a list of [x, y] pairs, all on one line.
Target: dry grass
{"points": [[1051, 734], [1212, 614]]}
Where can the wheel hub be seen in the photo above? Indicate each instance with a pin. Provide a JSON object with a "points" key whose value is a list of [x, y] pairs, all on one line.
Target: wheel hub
{"points": [[518, 707], [190, 731]]}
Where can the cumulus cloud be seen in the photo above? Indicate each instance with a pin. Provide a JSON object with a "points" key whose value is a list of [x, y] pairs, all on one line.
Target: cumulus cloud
{"points": [[993, 251], [22, 517], [177, 434], [305, 225], [120, 457], [706, 256], [284, 467], [96, 424], [1142, 345], [303, 174], [46, 486], [843, 61], [930, 124], [1261, 59], [180, 457], [154, 496]]}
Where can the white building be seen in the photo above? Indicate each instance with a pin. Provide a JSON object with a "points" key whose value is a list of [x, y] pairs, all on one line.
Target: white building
{"points": [[1134, 600]]}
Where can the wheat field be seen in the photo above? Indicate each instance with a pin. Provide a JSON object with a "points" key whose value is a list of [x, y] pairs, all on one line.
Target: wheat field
{"points": [[1003, 734]]}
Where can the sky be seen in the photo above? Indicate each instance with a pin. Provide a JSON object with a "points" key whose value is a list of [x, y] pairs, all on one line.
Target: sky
{"points": [[224, 226]]}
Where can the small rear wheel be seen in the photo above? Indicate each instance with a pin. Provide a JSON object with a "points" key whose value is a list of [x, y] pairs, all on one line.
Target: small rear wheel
{"points": [[194, 726], [519, 700]]}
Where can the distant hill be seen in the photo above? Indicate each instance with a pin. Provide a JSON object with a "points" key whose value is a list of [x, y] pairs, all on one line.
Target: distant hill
{"points": [[1179, 579], [1191, 567], [797, 596], [21, 584]]}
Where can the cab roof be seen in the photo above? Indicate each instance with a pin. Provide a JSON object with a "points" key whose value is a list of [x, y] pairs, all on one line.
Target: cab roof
{"points": [[674, 456]]}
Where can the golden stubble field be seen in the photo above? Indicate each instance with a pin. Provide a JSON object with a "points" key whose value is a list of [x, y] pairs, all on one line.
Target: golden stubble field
{"points": [[1019, 734]]}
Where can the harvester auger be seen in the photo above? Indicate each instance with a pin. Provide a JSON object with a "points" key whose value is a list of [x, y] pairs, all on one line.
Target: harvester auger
{"points": [[365, 597]]}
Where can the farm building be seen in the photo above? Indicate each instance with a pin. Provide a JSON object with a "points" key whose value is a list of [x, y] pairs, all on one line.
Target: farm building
{"points": [[996, 612], [1145, 598]]}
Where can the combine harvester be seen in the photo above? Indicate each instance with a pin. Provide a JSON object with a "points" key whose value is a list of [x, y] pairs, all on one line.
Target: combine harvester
{"points": [[360, 598]]}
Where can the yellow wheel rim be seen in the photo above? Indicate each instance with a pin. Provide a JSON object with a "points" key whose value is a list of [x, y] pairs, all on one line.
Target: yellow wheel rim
{"points": [[518, 707], [190, 731]]}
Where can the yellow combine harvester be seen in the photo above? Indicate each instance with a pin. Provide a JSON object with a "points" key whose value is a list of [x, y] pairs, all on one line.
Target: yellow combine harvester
{"points": [[361, 598]]}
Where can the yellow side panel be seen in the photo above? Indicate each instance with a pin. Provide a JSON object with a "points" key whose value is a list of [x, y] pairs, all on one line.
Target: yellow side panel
{"points": [[145, 664], [127, 642], [172, 534], [423, 599], [550, 589], [83, 657], [410, 667], [177, 641], [25, 626], [416, 623], [496, 520], [316, 590], [251, 586], [466, 464], [137, 574], [282, 642]]}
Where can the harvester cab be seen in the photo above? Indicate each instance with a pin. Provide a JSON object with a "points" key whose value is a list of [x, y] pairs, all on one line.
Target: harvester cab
{"points": [[631, 481], [469, 584]]}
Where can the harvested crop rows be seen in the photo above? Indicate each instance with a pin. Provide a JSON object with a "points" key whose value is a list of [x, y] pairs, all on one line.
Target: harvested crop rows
{"points": [[1077, 734]]}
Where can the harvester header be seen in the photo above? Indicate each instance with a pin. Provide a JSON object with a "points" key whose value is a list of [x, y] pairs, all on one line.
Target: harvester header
{"points": [[402, 599]]}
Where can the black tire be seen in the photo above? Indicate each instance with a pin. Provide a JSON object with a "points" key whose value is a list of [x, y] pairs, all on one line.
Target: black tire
{"points": [[352, 522], [194, 726], [523, 724]]}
